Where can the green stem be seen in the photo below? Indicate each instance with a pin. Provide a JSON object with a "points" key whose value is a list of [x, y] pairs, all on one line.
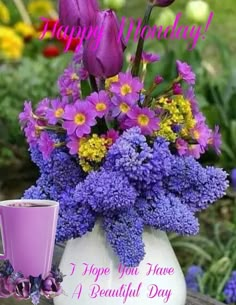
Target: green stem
{"points": [[93, 83], [139, 51]]}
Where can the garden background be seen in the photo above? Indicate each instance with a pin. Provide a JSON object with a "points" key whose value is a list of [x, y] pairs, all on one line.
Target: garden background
{"points": [[29, 69]]}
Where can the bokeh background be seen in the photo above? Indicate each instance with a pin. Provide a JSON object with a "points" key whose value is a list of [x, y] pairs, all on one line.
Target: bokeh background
{"points": [[29, 69]]}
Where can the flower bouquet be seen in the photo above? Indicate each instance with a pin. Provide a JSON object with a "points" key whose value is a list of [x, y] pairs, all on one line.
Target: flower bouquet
{"points": [[116, 149]]}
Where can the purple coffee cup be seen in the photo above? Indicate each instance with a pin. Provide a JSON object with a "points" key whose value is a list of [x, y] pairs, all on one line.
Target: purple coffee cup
{"points": [[28, 233]]}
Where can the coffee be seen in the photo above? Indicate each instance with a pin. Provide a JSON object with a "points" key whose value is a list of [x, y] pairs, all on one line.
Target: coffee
{"points": [[27, 205]]}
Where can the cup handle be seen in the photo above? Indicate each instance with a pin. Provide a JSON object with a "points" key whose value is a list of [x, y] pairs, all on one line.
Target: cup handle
{"points": [[2, 256]]}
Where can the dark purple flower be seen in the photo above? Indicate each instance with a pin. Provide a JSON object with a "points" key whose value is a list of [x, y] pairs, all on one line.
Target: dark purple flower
{"points": [[233, 178], [50, 287], [6, 287], [185, 72], [192, 277], [177, 89], [78, 12], [158, 79], [161, 3], [22, 289], [106, 59]]}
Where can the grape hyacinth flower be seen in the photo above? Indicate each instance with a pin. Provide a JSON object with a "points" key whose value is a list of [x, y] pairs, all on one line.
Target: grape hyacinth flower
{"points": [[230, 289], [194, 273], [127, 88], [185, 72], [144, 118], [79, 118]]}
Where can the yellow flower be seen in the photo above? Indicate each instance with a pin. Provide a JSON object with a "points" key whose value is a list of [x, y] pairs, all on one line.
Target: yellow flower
{"points": [[111, 80], [177, 112], [4, 13], [24, 29], [40, 8], [11, 45], [92, 151]]}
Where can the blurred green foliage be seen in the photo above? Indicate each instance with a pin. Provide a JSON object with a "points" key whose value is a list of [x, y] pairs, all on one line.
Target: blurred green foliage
{"points": [[31, 79]]}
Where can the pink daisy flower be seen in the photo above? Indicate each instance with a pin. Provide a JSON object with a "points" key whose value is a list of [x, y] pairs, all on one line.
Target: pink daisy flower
{"points": [[27, 114], [100, 102], [112, 135], [144, 118], [201, 133], [128, 87], [56, 111], [79, 118], [121, 107], [215, 140]]}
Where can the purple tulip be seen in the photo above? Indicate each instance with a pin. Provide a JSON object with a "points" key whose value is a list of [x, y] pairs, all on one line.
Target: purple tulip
{"points": [[78, 12], [106, 59], [22, 289], [161, 3], [6, 287], [50, 287]]}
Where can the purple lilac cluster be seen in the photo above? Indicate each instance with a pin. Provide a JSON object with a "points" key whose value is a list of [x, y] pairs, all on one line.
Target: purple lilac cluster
{"points": [[137, 185], [14, 284]]}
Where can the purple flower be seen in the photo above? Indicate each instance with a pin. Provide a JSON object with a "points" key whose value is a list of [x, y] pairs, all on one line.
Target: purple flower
{"points": [[127, 88], [121, 107], [27, 114], [50, 287], [182, 147], [56, 112], [161, 3], [106, 191], [106, 59], [158, 79], [7, 288], [147, 57], [42, 107], [185, 72], [124, 233], [201, 133], [22, 289], [190, 96], [79, 118], [195, 150], [31, 133], [194, 273], [233, 178], [177, 89], [46, 145], [112, 135], [78, 12], [215, 140], [230, 289], [68, 86], [73, 145], [144, 118], [100, 103]]}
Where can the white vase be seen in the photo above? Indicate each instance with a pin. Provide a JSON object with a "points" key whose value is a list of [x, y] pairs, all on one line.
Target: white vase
{"points": [[142, 289]]}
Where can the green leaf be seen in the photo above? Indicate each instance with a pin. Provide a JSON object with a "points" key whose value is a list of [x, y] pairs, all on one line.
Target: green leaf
{"points": [[85, 88]]}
